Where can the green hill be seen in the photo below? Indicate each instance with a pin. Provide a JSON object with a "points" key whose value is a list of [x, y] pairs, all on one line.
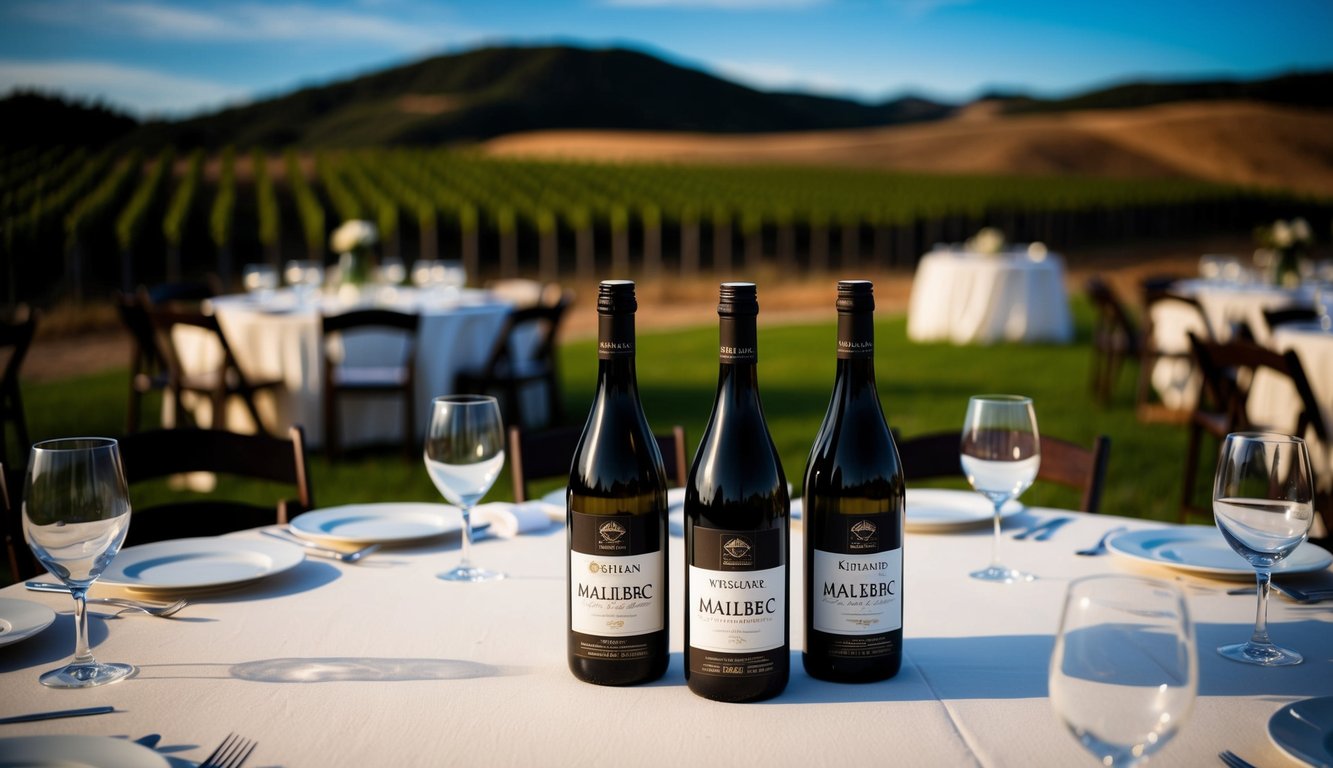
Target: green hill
{"points": [[493, 91], [1311, 89]]}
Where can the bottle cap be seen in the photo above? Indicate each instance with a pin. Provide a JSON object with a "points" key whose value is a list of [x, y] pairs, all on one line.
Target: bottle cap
{"points": [[616, 297], [856, 296], [737, 299]]}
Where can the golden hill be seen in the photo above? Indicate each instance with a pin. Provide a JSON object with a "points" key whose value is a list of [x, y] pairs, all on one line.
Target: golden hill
{"points": [[1234, 142]]}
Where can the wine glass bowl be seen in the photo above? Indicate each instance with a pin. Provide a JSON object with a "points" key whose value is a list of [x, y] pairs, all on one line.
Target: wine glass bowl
{"points": [[76, 512], [1124, 670], [1000, 454], [464, 454], [1263, 495]]}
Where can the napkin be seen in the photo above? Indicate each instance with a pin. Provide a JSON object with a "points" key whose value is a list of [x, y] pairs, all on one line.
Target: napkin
{"points": [[510, 520]]}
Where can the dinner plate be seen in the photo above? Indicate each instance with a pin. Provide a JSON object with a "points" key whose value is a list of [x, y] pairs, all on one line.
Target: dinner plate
{"points": [[21, 619], [1203, 550], [388, 523], [1304, 730], [198, 563], [940, 510], [71, 751]]}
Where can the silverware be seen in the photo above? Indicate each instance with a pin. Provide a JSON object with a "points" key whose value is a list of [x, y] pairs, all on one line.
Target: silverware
{"points": [[1100, 547], [57, 714], [336, 554], [161, 610], [1233, 760], [231, 753], [1043, 530], [1295, 593]]}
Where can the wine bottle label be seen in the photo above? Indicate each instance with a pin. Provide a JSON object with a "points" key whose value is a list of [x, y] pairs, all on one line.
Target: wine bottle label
{"points": [[739, 341], [738, 592], [856, 336], [617, 572], [615, 336], [857, 594]]}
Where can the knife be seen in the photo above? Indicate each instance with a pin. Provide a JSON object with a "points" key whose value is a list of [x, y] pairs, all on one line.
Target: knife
{"points": [[57, 714]]}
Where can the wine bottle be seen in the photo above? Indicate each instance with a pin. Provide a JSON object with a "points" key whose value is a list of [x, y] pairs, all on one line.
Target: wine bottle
{"points": [[737, 514], [617, 518], [854, 507]]}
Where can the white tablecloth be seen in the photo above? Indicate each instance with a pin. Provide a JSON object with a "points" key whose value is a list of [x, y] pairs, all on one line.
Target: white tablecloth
{"points": [[381, 663], [1225, 305], [1274, 402], [281, 338], [972, 298]]}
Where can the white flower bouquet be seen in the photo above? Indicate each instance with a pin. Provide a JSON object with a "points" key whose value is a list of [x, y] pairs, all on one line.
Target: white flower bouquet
{"points": [[986, 240]]}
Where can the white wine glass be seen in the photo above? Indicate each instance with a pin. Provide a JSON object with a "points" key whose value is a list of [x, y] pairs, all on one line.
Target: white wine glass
{"points": [[1124, 671], [1263, 502], [464, 454], [1000, 454], [76, 512]]}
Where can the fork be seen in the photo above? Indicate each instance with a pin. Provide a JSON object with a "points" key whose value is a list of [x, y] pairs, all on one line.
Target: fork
{"points": [[162, 610], [1100, 546], [1233, 760], [336, 554], [231, 753]]}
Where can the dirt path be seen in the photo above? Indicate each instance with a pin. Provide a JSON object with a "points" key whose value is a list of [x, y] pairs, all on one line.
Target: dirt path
{"points": [[673, 303]]}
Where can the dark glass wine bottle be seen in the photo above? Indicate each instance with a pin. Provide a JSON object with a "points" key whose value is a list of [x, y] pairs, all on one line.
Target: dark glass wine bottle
{"points": [[617, 519], [853, 508], [737, 640]]}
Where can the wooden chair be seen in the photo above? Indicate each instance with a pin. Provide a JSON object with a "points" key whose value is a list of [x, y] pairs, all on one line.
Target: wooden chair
{"points": [[1158, 294], [1228, 371], [1062, 462], [223, 382], [15, 340], [1279, 317], [22, 563], [344, 380], [509, 372], [153, 454], [547, 454], [1114, 338]]}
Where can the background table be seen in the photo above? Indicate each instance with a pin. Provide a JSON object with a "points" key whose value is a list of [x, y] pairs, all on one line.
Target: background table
{"points": [[381, 663], [973, 298], [282, 338]]}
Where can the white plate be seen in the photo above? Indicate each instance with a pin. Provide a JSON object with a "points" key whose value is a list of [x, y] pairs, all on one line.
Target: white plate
{"points": [[940, 510], [197, 563], [1304, 730], [21, 619], [71, 751], [391, 523], [1203, 550]]}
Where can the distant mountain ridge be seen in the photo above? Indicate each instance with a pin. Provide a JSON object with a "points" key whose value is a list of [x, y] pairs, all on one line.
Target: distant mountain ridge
{"points": [[484, 93]]}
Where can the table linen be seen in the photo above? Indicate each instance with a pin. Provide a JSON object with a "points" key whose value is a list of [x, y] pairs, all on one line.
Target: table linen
{"points": [[281, 337], [974, 298], [380, 663]]}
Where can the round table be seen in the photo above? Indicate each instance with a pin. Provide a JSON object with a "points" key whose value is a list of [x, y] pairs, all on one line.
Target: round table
{"points": [[974, 298], [280, 336]]}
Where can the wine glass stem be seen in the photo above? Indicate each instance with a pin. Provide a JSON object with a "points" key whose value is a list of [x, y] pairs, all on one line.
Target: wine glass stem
{"points": [[466, 560], [995, 540], [1261, 614], [82, 654]]}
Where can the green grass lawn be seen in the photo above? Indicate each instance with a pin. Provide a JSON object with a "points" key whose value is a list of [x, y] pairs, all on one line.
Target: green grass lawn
{"points": [[924, 388]]}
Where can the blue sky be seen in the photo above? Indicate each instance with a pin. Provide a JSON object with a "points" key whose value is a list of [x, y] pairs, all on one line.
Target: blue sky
{"points": [[156, 57]]}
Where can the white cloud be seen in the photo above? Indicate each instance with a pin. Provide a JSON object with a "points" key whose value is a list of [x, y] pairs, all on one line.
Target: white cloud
{"points": [[729, 5], [768, 75], [142, 91], [244, 22]]}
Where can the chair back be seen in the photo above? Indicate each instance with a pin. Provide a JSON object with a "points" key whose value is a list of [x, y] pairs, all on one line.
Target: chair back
{"points": [[1279, 317], [1064, 463], [1228, 372], [371, 320], [532, 328], [22, 563], [549, 453], [1112, 325], [157, 454], [15, 341]]}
